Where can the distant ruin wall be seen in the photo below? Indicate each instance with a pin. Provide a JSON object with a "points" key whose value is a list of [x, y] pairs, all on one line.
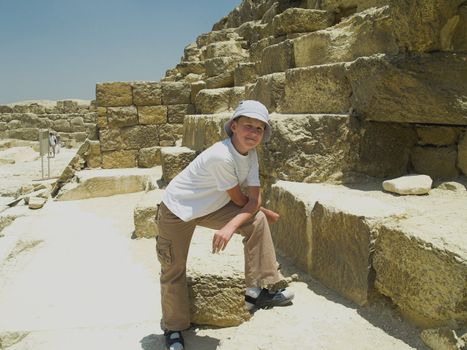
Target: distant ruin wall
{"points": [[72, 121], [135, 119]]}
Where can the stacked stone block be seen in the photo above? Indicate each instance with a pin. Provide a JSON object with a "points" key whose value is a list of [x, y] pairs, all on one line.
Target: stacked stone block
{"points": [[137, 118], [74, 122]]}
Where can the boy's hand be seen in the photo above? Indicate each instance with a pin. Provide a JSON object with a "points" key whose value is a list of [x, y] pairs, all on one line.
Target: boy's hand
{"points": [[220, 240], [272, 216]]}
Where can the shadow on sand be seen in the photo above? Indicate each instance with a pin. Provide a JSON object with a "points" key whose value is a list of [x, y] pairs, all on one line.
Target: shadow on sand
{"points": [[192, 341], [380, 311]]}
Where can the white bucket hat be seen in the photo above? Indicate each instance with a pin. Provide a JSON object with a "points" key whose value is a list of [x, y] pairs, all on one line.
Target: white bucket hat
{"points": [[251, 109]]}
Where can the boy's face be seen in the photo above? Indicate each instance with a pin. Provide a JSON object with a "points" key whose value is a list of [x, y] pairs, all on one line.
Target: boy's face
{"points": [[247, 133]]}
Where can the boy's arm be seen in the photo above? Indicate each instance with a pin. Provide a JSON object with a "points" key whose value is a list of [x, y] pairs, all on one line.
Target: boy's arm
{"points": [[250, 205], [240, 199]]}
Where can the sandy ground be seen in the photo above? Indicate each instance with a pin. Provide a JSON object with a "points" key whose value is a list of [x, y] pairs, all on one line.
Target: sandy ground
{"points": [[75, 279], [71, 277]]}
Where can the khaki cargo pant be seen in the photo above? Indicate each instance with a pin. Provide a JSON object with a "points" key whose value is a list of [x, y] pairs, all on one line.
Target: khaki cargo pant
{"points": [[173, 241]]}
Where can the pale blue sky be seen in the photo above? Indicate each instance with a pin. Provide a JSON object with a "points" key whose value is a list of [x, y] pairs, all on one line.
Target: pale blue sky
{"points": [[58, 49]]}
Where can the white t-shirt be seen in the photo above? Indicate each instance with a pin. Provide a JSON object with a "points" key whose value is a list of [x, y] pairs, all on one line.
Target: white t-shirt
{"points": [[201, 188]]}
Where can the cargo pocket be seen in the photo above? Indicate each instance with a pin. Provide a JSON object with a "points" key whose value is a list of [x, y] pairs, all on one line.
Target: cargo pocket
{"points": [[164, 250]]}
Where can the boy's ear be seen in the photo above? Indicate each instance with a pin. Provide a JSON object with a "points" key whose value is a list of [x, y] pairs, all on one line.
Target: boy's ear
{"points": [[233, 125]]}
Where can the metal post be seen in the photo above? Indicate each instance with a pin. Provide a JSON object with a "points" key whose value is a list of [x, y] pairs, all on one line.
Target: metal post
{"points": [[44, 148]]}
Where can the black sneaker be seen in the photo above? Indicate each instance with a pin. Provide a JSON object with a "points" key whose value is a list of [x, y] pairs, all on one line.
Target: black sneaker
{"points": [[174, 340], [266, 300]]}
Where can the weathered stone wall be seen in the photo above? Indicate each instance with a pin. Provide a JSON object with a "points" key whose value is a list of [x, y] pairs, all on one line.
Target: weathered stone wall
{"points": [[135, 119], [74, 122]]}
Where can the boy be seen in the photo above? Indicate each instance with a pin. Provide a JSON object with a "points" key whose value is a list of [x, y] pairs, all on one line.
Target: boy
{"points": [[208, 193]]}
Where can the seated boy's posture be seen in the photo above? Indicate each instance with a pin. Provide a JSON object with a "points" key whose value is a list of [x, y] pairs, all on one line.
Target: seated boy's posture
{"points": [[207, 193]]}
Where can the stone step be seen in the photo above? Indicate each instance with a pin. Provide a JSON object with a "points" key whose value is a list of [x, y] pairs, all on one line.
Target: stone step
{"points": [[317, 147], [108, 182], [422, 88], [216, 281], [219, 100], [414, 34], [373, 87], [316, 89], [364, 34], [357, 239], [174, 160]]}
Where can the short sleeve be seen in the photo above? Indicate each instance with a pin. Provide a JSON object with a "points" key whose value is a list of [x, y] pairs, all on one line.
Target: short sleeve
{"points": [[223, 172], [253, 173]]}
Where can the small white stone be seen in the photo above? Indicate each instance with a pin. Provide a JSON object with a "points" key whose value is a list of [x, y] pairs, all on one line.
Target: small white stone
{"points": [[36, 202], [409, 184]]}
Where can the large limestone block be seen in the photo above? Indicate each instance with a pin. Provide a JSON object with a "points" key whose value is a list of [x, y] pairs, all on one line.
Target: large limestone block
{"points": [[299, 20], [191, 52], [77, 123], [216, 35], [217, 300], [145, 213], [118, 117], [111, 139], [251, 31], [114, 94], [459, 37], [425, 25], [225, 49], [427, 88], [61, 125], [310, 148], [174, 93], [147, 93], [216, 282], [140, 136], [330, 232], [256, 49], [219, 65], [109, 182], [169, 134], [30, 134], [152, 115], [225, 79], [317, 89], [462, 154], [176, 113], [187, 67], [277, 58], [420, 263], [119, 159], [437, 162], [419, 25], [149, 157], [218, 100], [438, 135], [344, 230], [269, 90], [244, 73], [196, 87], [201, 131], [385, 148], [364, 34], [174, 160], [94, 158]]}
